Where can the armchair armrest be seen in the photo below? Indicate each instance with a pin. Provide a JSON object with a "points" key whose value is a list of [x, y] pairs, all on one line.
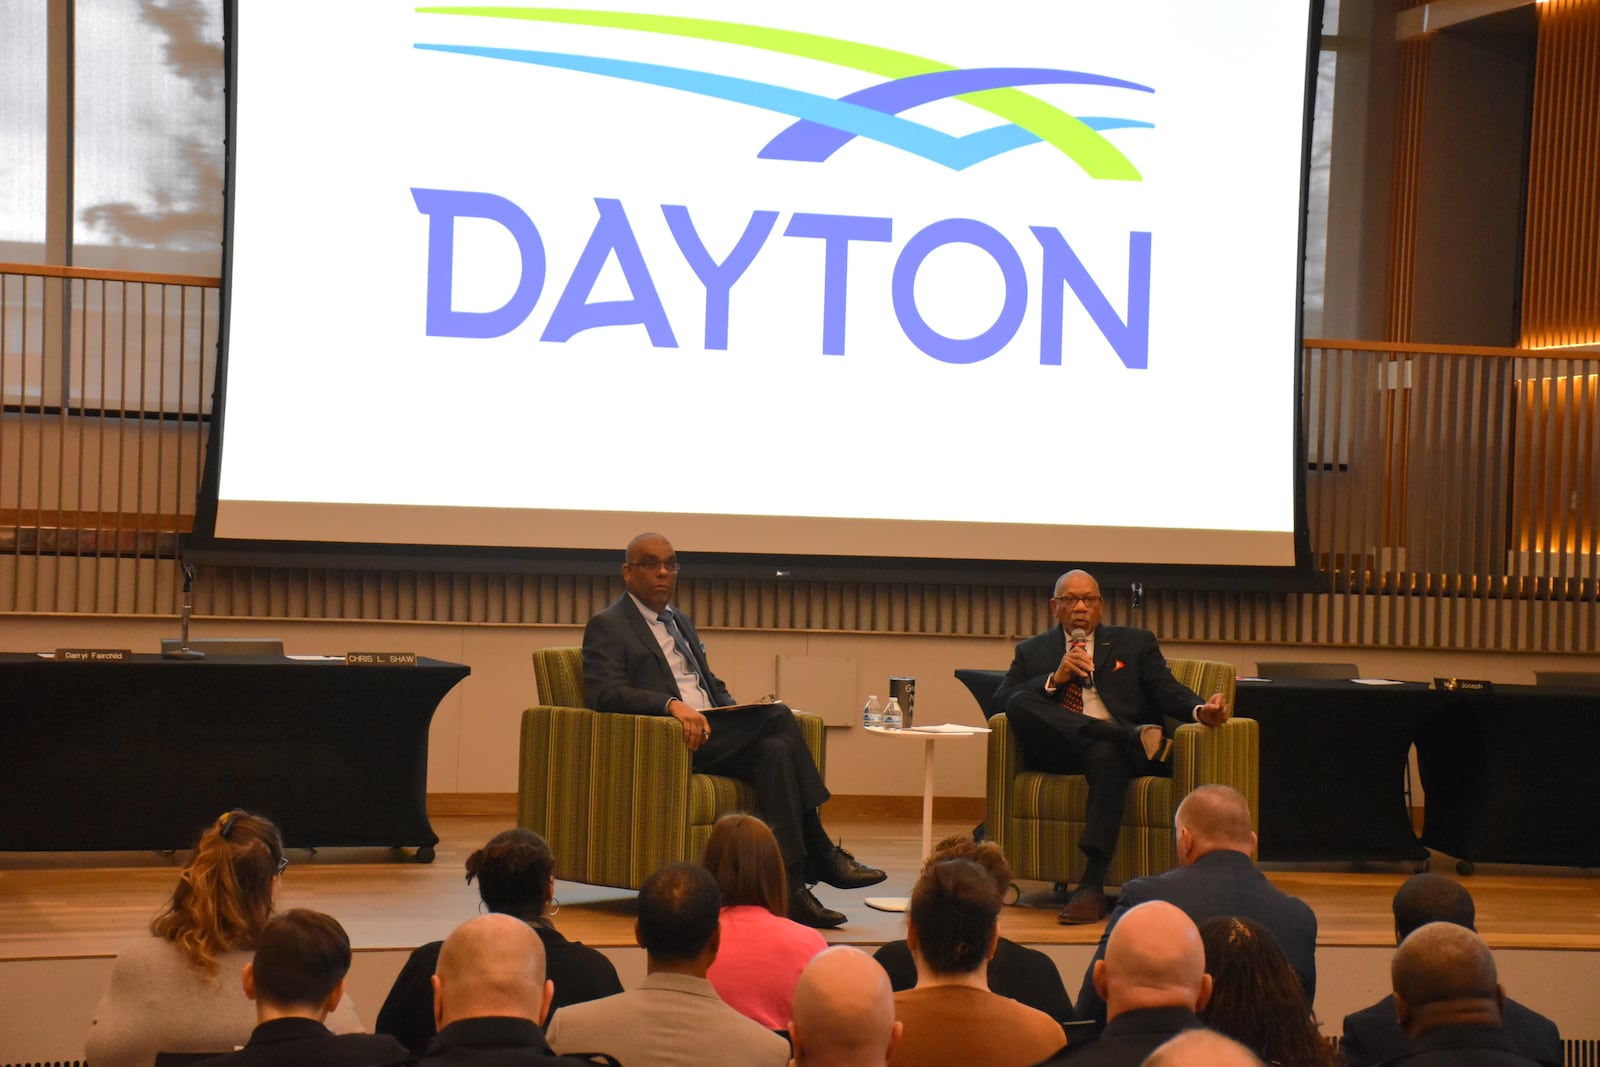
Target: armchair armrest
{"points": [[1223, 755]]}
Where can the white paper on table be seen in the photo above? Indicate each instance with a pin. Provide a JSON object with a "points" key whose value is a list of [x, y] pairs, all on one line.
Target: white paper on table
{"points": [[1376, 681]]}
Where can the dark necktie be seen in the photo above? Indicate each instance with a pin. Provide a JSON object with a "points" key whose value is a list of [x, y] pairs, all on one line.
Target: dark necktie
{"points": [[687, 651], [1072, 695]]}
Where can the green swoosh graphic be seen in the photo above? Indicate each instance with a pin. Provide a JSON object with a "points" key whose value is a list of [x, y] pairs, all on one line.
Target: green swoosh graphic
{"points": [[1098, 157]]}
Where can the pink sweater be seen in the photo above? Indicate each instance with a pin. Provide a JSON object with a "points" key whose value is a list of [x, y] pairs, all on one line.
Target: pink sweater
{"points": [[760, 961]]}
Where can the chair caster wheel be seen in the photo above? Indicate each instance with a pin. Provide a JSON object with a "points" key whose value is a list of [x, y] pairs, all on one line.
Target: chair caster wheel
{"points": [[425, 854], [1465, 867]]}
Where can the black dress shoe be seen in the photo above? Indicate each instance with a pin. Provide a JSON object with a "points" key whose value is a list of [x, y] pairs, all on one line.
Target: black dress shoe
{"points": [[839, 869], [807, 910]]}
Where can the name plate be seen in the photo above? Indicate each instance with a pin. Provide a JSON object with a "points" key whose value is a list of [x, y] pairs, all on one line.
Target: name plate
{"points": [[1463, 685], [380, 659], [94, 655]]}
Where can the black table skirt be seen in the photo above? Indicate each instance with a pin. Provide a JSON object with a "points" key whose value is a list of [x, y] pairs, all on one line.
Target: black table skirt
{"points": [[144, 754]]}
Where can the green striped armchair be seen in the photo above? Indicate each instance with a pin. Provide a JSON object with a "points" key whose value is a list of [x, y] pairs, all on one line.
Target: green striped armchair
{"points": [[614, 794], [1037, 818]]}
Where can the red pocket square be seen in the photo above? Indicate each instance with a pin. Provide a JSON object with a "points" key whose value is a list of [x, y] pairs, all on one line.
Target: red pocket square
{"points": [[1119, 666]]}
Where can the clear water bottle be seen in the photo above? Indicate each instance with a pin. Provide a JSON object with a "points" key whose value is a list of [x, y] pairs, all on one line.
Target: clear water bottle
{"points": [[872, 714], [891, 715]]}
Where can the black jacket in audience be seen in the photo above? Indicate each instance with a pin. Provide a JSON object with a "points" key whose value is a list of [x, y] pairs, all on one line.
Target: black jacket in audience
{"points": [[579, 972], [295, 1042], [1373, 1035]]}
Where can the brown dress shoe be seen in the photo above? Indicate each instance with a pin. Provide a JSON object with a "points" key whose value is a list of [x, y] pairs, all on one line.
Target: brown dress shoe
{"points": [[1087, 904]]}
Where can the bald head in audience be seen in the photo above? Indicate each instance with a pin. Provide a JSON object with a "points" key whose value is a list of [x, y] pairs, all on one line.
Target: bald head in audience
{"points": [[1443, 975], [1202, 1048], [1154, 959], [843, 1012], [491, 966], [1211, 818]]}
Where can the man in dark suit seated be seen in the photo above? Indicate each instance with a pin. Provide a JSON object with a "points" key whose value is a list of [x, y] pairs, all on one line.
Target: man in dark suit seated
{"points": [[1092, 699], [296, 979], [1153, 980], [1373, 1035], [1447, 998], [642, 656], [1216, 876]]}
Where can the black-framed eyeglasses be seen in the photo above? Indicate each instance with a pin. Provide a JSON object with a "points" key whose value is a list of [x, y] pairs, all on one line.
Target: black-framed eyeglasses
{"points": [[650, 563], [1087, 601]]}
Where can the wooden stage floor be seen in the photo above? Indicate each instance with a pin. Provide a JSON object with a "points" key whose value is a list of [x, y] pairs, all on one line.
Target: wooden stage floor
{"points": [[64, 916], [77, 905]]}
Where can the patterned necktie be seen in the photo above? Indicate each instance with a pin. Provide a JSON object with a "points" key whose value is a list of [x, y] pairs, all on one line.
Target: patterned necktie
{"points": [[1072, 695]]}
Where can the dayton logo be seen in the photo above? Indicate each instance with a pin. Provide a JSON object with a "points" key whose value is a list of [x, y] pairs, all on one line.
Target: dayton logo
{"points": [[824, 125]]}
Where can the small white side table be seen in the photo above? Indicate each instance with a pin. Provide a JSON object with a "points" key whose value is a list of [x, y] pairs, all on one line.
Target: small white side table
{"points": [[927, 735]]}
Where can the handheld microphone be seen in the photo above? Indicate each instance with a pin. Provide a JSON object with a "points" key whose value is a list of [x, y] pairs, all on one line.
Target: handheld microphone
{"points": [[1080, 642]]}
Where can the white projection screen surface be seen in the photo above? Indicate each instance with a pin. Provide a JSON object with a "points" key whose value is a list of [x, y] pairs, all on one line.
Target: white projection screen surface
{"points": [[934, 281]]}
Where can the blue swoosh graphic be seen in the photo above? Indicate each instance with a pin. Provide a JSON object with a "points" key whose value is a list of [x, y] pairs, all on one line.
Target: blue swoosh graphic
{"points": [[957, 153], [813, 142]]}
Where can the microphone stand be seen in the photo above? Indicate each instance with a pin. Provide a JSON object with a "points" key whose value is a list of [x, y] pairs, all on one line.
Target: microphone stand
{"points": [[183, 651]]}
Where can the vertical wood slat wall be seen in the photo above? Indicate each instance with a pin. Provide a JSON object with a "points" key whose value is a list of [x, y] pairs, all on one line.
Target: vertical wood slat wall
{"points": [[1494, 545], [1561, 268]]}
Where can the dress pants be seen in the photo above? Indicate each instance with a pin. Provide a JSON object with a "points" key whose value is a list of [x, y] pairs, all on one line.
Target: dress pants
{"points": [[1057, 741], [765, 747]]}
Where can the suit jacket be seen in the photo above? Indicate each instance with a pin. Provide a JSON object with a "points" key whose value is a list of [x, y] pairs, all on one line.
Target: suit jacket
{"points": [[497, 1041], [670, 1019], [1130, 674], [1128, 1038], [293, 1042], [624, 668], [1464, 1046], [1223, 882], [1373, 1035], [579, 972], [1024, 974]]}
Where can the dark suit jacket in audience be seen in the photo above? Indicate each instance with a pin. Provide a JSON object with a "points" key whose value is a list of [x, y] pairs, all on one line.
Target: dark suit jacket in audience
{"points": [[296, 1042], [579, 972], [1219, 883], [1464, 1046], [1129, 1038], [1024, 974], [1373, 1035], [497, 1041]]}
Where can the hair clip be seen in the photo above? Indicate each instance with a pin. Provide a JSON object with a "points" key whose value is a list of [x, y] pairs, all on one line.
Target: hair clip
{"points": [[227, 824]]}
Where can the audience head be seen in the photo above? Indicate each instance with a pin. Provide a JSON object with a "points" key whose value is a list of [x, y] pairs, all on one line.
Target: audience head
{"points": [[515, 873], [650, 570], [953, 919], [1255, 996], [1212, 818], [985, 854], [843, 1011], [743, 857], [225, 895], [1154, 959], [491, 965], [1444, 975], [679, 911], [1069, 605], [301, 960], [1202, 1048], [1431, 898]]}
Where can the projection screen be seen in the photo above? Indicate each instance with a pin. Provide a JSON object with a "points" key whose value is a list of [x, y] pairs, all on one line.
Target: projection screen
{"points": [[934, 282]]}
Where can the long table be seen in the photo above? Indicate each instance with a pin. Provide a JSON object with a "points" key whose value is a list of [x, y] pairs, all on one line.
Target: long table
{"points": [[1333, 760], [144, 754], [1505, 772]]}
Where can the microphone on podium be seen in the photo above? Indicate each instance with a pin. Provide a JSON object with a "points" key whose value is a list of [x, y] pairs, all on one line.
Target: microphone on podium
{"points": [[183, 651]]}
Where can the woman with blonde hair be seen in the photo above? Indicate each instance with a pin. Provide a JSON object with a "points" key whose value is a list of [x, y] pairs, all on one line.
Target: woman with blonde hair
{"points": [[179, 990], [763, 951]]}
